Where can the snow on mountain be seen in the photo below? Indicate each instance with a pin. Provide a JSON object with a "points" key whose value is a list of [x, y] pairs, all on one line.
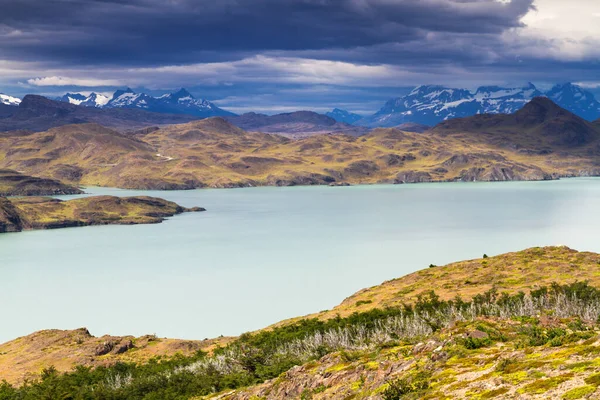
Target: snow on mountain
{"points": [[92, 100], [344, 116], [9, 100], [180, 102], [576, 100], [431, 105]]}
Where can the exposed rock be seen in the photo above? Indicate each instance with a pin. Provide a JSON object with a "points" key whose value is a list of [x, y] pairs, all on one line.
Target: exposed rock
{"points": [[122, 347], [412, 177], [498, 173], [10, 220], [392, 160], [363, 168], [104, 348]]}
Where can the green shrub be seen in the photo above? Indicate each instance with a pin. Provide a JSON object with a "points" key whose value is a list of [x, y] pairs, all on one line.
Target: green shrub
{"points": [[415, 383]]}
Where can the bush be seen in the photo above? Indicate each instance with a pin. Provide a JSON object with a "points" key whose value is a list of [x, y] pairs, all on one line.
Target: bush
{"points": [[400, 387]]}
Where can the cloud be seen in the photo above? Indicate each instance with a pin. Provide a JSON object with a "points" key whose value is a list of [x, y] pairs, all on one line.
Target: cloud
{"points": [[239, 49], [64, 81], [186, 31]]}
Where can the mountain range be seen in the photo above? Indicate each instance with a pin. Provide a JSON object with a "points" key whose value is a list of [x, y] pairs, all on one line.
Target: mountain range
{"points": [[180, 102], [423, 107], [430, 105], [38, 113]]}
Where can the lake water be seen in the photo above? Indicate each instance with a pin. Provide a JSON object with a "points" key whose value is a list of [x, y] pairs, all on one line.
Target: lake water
{"points": [[261, 255]]}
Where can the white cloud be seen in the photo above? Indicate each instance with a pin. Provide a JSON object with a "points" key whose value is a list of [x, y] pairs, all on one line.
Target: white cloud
{"points": [[561, 29], [65, 81]]}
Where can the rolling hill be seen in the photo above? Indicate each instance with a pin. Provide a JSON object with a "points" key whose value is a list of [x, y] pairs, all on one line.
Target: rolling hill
{"points": [[541, 141], [295, 125], [540, 121]]}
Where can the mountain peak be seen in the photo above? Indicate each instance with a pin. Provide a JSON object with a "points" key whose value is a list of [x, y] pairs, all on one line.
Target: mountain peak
{"points": [[9, 100], [432, 104], [344, 116], [540, 109], [121, 92], [181, 93]]}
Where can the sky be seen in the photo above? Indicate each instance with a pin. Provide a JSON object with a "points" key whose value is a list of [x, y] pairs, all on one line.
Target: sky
{"points": [[282, 55]]}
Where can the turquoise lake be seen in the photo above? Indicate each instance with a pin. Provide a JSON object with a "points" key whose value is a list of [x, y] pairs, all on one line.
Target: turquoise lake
{"points": [[261, 255]]}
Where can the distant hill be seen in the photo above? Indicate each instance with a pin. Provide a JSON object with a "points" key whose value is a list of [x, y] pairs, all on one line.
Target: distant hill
{"points": [[344, 116], [541, 121], [413, 127], [295, 125], [37, 113], [6, 110], [180, 102], [431, 105], [541, 141]]}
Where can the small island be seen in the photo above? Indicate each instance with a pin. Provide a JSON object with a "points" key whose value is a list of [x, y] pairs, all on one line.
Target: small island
{"points": [[18, 214]]}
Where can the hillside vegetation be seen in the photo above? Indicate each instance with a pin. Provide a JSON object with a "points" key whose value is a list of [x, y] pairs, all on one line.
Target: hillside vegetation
{"points": [[541, 141], [523, 339], [13, 183], [48, 213]]}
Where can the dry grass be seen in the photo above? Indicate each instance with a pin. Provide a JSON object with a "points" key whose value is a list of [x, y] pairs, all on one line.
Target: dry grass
{"points": [[511, 272], [49, 213], [215, 153], [29, 355]]}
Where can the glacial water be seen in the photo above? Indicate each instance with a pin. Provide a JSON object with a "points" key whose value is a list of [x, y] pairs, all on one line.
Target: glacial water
{"points": [[261, 255]]}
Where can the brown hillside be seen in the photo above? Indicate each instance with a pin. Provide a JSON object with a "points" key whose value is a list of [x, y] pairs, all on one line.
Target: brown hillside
{"points": [[540, 120], [29, 355], [13, 183], [540, 142]]}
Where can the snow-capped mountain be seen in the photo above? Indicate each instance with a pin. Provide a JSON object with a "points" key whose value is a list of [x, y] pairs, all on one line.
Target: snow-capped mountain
{"points": [[93, 100], [9, 100], [180, 102], [344, 116], [431, 105], [576, 100]]}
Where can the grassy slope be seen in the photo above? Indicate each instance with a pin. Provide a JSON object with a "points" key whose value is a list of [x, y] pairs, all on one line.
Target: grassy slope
{"points": [[512, 272], [29, 355], [13, 183], [514, 358], [507, 366], [214, 153], [47, 213]]}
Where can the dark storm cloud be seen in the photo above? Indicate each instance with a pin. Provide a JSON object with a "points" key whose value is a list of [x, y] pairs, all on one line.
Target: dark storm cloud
{"points": [[158, 32]]}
